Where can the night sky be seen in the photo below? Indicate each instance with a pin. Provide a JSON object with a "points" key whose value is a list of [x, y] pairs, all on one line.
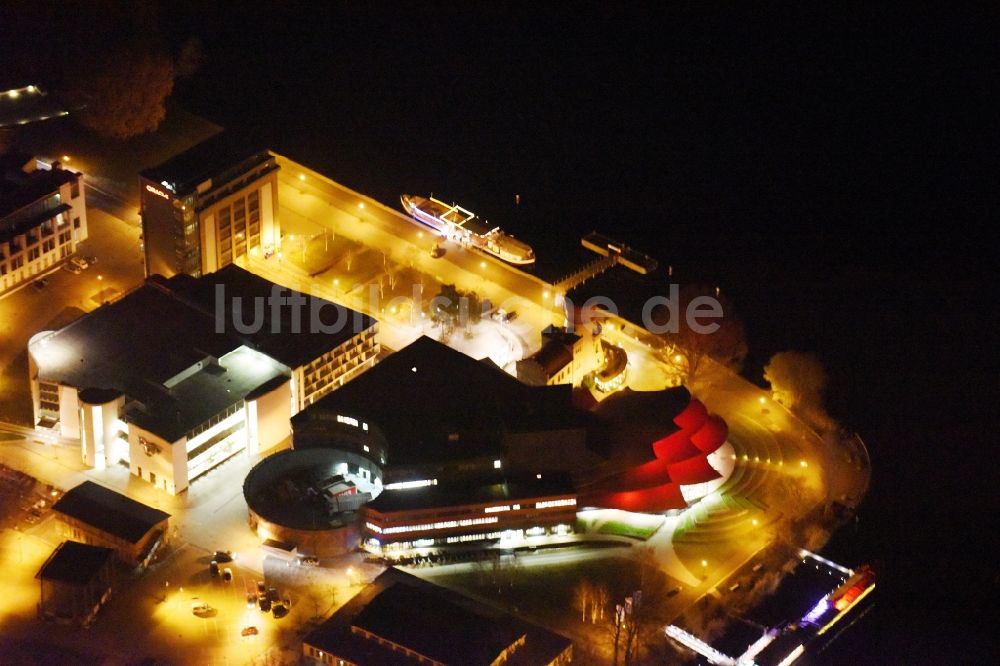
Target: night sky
{"points": [[834, 173]]}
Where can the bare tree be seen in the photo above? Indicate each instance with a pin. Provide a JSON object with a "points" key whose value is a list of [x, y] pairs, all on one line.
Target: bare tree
{"points": [[349, 256], [601, 598], [583, 595], [638, 617], [687, 347], [320, 600]]}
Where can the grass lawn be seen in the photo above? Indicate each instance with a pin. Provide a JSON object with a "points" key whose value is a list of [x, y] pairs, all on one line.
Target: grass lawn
{"points": [[618, 528], [545, 593]]}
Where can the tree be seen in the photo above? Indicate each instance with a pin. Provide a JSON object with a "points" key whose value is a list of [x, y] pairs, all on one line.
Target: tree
{"points": [[639, 615], [453, 306], [125, 95], [583, 595], [599, 604], [798, 381], [687, 346], [321, 600]]}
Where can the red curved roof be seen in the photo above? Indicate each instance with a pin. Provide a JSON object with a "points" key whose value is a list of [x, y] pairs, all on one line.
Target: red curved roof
{"points": [[693, 415], [693, 470], [681, 460], [711, 435], [675, 447], [651, 500]]}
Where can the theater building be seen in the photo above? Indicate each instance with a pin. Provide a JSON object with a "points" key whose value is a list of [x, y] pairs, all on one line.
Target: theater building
{"points": [[167, 380], [209, 206], [43, 217]]}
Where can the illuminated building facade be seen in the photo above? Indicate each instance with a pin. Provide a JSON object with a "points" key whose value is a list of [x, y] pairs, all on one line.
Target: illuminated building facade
{"points": [[166, 379], [43, 217], [95, 515], [210, 206], [75, 582], [558, 361], [446, 514]]}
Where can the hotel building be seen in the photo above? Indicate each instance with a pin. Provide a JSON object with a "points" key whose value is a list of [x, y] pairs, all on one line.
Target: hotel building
{"points": [[168, 380], [43, 217], [209, 206]]}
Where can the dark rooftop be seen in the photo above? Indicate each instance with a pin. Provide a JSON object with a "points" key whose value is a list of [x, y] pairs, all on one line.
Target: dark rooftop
{"points": [[438, 623], [437, 404], [211, 158], [19, 188], [287, 339], [30, 105], [161, 347], [553, 356], [74, 562], [633, 420], [483, 492], [109, 511]]}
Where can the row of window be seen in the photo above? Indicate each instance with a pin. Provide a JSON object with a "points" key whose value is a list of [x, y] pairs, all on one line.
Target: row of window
{"points": [[36, 252]]}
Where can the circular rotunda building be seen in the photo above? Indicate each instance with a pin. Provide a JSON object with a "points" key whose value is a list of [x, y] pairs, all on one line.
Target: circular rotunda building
{"points": [[310, 498]]}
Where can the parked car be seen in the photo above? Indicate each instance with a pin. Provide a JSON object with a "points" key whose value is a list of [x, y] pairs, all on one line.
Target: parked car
{"points": [[213, 568], [79, 262], [511, 316], [72, 268], [227, 574], [202, 609], [249, 631], [40, 283], [498, 315], [261, 590], [223, 556], [279, 610], [90, 259], [251, 599], [265, 604], [309, 561]]}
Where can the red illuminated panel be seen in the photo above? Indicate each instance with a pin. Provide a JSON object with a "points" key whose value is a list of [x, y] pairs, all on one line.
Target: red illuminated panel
{"points": [[675, 447], [693, 415], [693, 470], [649, 474], [711, 435], [650, 500]]}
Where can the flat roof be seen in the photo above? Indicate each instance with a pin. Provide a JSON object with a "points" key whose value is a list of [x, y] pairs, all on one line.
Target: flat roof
{"points": [[438, 623], [74, 562], [287, 337], [436, 404], [20, 188], [161, 347], [498, 489], [633, 420], [109, 511], [212, 158], [211, 390]]}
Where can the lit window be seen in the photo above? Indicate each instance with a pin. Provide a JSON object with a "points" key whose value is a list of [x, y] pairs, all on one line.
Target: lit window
{"points": [[496, 464]]}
